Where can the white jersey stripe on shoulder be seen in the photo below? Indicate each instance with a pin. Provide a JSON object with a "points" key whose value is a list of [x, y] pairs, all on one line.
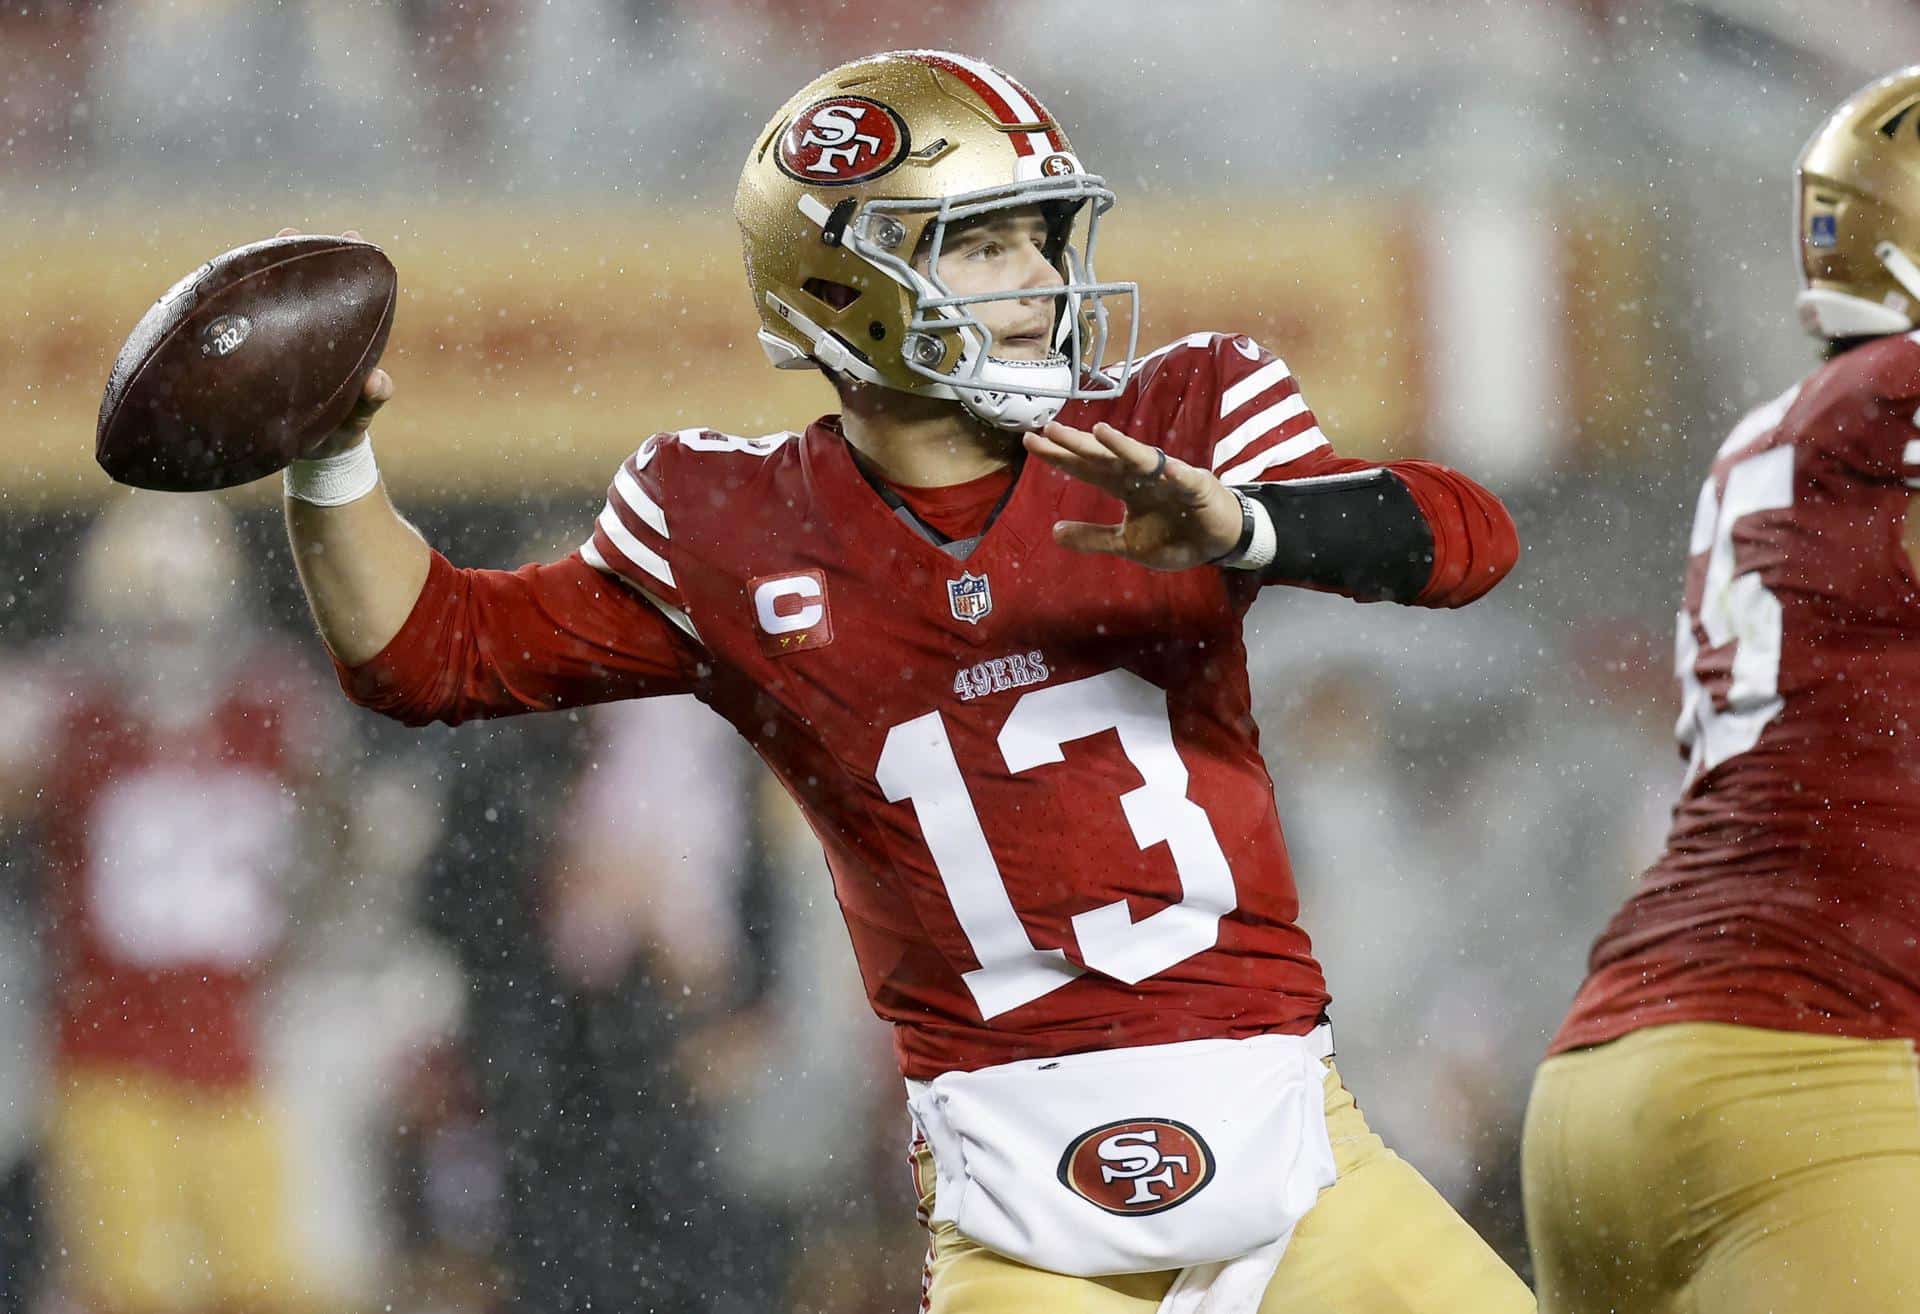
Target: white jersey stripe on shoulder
{"points": [[711, 440], [591, 555], [628, 490], [1291, 450], [1273, 372], [633, 549], [1256, 427], [1758, 421]]}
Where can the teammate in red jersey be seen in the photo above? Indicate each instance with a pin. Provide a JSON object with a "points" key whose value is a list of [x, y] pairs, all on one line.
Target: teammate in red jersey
{"points": [[1730, 1120], [169, 759], [985, 625]]}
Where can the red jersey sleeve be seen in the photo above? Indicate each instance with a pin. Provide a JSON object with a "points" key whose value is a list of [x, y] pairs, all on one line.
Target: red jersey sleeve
{"points": [[1241, 414], [483, 643], [631, 540]]}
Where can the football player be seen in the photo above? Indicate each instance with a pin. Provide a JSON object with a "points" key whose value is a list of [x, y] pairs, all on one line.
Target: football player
{"points": [[984, 623], [1729, 1119], [161, 747]]}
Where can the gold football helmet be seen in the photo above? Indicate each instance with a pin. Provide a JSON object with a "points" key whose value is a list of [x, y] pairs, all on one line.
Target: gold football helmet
{"points": [[848, 198], [1858, 213]]}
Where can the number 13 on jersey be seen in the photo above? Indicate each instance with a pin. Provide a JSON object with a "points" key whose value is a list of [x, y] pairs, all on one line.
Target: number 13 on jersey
{"points": [[917, 766]]}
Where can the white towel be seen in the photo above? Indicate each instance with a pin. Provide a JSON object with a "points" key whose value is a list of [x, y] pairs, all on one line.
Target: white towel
{"points": [[1198, 1156], [1233, 1286]]}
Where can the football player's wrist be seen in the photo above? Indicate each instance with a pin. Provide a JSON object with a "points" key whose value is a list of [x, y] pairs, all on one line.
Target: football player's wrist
{"points": [[339, 444], [334, 480], [1257, 543]]}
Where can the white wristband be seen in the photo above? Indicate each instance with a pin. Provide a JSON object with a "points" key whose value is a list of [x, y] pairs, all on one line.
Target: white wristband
{"points": [[1264, 545], [335, 480]]}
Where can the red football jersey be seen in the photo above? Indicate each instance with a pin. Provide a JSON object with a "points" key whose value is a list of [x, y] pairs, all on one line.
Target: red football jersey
{"points": [[1789, 893], [167, 844], [1035, 772]]}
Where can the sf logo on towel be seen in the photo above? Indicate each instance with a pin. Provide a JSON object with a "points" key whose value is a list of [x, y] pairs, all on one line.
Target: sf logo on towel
{"points": [[1137, 1166]]}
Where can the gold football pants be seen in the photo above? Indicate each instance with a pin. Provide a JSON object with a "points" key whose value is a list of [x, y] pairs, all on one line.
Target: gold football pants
{"points": [[166, 1197], [1701, 1168], [1380, 1240]]}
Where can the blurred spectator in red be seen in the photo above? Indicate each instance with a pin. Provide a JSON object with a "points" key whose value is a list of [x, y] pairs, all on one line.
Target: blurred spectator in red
{"points": [[169, 758]]}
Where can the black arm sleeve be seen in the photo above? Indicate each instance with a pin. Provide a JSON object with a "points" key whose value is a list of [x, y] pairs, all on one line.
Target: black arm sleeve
{"points": [[1359, 534]]}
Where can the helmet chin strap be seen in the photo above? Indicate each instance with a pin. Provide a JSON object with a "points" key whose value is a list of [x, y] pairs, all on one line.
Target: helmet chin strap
{"points": [[1005, 401], [1002, 401], [1904, 271], [1826, 313]]}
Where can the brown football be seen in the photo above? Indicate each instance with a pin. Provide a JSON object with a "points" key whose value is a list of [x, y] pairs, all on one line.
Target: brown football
{"points": [[246, 363]]}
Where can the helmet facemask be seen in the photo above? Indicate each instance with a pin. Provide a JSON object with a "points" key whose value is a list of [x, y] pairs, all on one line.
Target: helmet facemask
{"points": [[951, 349]]}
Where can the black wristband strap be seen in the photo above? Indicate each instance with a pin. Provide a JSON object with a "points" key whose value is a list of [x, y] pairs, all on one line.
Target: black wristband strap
{"points": [[1238, 551]]}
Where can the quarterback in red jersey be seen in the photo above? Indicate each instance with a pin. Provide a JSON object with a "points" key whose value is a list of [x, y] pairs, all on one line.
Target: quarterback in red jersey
{"points": [[169, 762], [985, 625], [1730, 1118]]}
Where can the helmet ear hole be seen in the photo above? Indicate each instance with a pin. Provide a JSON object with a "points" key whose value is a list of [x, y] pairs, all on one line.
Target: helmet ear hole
{"points": [[824, 290], [1890, 126], [1060, 217]]}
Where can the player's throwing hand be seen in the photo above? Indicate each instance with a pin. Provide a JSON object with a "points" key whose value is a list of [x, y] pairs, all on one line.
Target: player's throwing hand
{"points": [[1178, 515], [376, 392]]}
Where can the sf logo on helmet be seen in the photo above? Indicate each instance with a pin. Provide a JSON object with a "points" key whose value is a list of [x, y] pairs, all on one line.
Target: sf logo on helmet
{"points": [[1137, 1166], [844, 139]]}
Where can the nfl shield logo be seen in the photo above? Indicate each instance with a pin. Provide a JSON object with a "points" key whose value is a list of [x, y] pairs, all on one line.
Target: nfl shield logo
{"points": [[1824, 231], [971, 597]]}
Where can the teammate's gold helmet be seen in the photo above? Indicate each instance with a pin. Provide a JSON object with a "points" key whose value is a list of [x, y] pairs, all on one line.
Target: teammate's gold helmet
{"points": [[1858, 213], [846, 203]]}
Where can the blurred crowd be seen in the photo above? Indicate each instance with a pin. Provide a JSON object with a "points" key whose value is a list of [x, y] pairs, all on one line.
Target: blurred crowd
{"points": [[300, 1013]]}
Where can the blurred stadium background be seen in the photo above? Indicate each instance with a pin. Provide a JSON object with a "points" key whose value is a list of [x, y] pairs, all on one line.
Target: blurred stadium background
{"points": [[578, 1028]]}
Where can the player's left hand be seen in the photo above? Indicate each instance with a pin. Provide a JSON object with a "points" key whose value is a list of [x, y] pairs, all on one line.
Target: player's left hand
{"points": [[1178, 515], [376, 392]]}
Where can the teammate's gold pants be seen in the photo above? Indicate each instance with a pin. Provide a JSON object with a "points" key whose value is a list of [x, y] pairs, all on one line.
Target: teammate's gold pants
{"points": [[167, 1197], [1701, 1168], [1380, 1240]]}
